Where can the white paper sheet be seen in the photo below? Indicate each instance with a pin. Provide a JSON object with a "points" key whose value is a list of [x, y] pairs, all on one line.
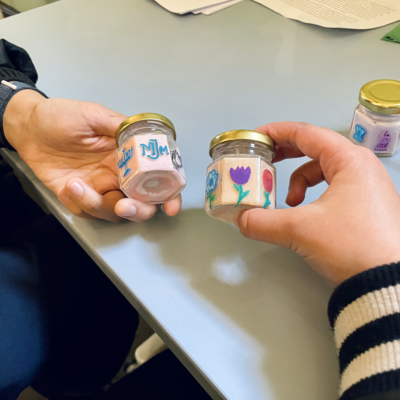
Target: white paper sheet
{"points": [[213, 9], [186, 6], [200, 10], [351, 14]]}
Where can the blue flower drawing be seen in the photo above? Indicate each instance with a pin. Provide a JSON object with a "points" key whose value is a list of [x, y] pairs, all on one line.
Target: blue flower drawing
{"points": [[211, 184]]}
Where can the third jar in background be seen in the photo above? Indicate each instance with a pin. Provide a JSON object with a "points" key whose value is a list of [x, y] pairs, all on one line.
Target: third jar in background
{"points": [[376, 121], [241, 175]]}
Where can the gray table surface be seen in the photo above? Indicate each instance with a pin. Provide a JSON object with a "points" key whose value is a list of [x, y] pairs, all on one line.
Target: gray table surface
{"points": [[247, 319]]}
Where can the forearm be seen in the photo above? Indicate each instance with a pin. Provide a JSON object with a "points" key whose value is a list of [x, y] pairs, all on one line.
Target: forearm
{"points": [[365, 314], [17, 115]]}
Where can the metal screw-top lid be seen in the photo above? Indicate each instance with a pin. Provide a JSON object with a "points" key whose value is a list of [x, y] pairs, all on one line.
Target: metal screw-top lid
{"points": [[381, 96], [242, 134], [144, 117]]}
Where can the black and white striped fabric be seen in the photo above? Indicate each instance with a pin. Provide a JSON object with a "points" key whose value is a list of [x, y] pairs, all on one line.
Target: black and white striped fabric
{"points": [[365, 314]]}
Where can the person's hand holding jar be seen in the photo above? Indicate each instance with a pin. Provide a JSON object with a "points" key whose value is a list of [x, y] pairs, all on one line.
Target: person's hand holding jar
{"points": [[351, 237], [70, 146], [353, 226]]}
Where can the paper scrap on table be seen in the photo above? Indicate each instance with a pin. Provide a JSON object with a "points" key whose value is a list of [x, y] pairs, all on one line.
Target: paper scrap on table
{"points": [[350, 14], [186, 6], [393, 36], [213, 9]]}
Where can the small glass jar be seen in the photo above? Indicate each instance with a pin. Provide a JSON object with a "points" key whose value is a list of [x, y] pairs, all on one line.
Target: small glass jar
{"points": [[241, 175], [376, 121], [149, 162]]}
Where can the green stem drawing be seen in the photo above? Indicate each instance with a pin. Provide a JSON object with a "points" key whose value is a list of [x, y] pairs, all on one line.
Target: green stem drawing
{"points": [[267, 202], [211, 198], [242, 194]]}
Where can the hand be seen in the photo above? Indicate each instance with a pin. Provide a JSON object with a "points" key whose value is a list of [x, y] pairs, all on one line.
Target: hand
{"points": [[353, 226], [70, 147]]}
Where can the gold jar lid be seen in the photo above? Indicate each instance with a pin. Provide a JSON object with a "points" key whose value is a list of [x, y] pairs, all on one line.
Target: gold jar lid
{"points": [[381, 96], [242, 134], [144, 117]]}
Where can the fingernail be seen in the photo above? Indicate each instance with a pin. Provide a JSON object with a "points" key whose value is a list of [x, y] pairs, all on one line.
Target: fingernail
{"points": [[76, 189], [236, 220], [129, 212]]}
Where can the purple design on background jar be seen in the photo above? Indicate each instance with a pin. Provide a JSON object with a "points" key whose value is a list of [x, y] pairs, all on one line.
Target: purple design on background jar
{"points": [[383, 141]]}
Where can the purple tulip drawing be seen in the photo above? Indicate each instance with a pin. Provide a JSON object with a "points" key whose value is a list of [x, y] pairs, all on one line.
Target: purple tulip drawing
{"points": [[240, 176]]}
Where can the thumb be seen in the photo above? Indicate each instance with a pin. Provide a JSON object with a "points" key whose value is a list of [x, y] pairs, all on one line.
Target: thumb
{"points": [[273, 226]]}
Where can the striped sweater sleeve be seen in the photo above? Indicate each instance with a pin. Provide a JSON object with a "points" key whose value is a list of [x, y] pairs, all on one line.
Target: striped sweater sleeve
{"points": [[364, 313]]}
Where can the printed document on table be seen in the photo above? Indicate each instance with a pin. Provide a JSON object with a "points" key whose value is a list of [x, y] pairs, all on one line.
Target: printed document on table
{"points": [[186, 6], [213, 9], [350, 14]]}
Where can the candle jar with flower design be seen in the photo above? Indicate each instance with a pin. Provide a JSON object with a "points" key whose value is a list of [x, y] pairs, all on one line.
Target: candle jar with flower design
{"points": [[148, 159], [241, 175]]}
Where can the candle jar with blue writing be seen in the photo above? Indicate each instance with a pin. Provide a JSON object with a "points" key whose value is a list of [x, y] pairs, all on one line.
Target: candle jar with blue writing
{"points": [[241, 175], [149, 162], [376, 121]]}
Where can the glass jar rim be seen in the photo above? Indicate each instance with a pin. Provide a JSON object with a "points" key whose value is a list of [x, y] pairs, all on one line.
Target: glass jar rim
{"points": [[144, 117], [241, 134]]}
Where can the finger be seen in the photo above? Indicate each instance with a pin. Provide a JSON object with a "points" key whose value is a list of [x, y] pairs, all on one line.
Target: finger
{"points": [[273, 226], [173, 207], [308, 175], [134, 210], [312, 141], [285, 152], [68, 202], [93, 203]]}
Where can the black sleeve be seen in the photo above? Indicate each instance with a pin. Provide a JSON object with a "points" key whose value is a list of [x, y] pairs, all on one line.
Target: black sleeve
{"points": [[15, 64]]}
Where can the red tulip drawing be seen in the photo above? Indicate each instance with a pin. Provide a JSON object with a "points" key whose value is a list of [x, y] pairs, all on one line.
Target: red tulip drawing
{"points": [[268, 182]]}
